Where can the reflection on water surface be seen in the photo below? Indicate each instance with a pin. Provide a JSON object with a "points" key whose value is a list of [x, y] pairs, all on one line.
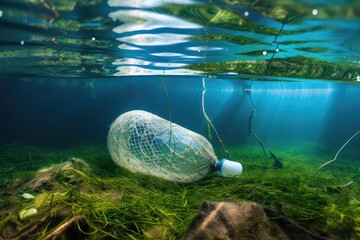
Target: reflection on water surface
{"points": [[108, 38]]}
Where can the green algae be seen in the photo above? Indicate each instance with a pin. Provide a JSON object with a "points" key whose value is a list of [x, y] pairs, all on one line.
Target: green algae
{"points": [[299, 67], [96, 200]]}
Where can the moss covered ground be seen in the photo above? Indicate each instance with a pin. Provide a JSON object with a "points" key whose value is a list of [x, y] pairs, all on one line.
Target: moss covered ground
{"points": [[93, 199]]}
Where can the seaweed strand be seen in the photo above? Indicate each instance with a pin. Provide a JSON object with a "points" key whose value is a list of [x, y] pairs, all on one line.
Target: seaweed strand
{"points": [[337, 154], [277, 161], [208, 121]]}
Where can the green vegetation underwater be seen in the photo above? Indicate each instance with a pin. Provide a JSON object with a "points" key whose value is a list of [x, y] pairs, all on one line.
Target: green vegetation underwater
{"points": [[273, 85]]}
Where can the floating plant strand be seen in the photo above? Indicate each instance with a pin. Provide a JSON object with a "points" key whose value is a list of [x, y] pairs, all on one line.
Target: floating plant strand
{"points": [[208, 120], [169, 109], [337, 154]]}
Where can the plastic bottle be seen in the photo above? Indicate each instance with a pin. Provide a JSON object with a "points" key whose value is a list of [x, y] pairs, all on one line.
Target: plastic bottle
{"points": [[145, 143]]}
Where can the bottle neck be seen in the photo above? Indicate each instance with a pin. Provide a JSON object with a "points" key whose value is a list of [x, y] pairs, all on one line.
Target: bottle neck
{"points": [[227, 168]]}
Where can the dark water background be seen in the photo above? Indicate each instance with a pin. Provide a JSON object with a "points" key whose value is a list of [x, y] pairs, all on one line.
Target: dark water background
{"points": [[69, 68], [65, 113]]}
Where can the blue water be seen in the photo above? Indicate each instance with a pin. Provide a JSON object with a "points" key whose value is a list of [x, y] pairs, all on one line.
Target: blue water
{"points": [[75, 112], [119, 38], [69, 69]]}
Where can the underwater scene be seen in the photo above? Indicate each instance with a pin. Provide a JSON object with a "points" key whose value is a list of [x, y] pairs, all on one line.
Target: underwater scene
{"points": [[180, 119]]}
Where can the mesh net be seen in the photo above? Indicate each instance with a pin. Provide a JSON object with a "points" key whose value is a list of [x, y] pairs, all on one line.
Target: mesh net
{"points": [[143, 142]]}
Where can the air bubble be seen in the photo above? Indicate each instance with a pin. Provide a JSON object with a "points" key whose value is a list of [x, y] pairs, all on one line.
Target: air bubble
{"points": [[93, 38], [277, 50], [22, 42], [315, 12], [264, 53], [1, 13], [246, 13], [358, 78]]}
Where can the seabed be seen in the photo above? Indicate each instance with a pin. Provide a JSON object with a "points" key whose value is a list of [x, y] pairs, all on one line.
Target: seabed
{"points": [[80, 194]]}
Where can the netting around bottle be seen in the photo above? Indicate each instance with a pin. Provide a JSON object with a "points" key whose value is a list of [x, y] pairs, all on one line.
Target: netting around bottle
{"points": [[143, 142]]}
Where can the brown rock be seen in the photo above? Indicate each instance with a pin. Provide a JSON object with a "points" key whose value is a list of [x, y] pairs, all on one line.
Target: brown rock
{"points": [[46, 178], [233, 220]]}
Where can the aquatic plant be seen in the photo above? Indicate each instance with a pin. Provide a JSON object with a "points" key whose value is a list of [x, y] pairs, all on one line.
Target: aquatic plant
{"points": [[264, 147], [94, 200], [337, 153], [298, 67], [209, 124]]}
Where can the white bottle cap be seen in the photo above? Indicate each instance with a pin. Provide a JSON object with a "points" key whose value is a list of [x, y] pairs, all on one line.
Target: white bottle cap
{"points": [[227, 168]]}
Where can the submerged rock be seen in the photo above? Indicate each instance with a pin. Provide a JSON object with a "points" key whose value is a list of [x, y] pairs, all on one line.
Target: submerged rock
{"points": [[233, 220], [47, 178]]}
